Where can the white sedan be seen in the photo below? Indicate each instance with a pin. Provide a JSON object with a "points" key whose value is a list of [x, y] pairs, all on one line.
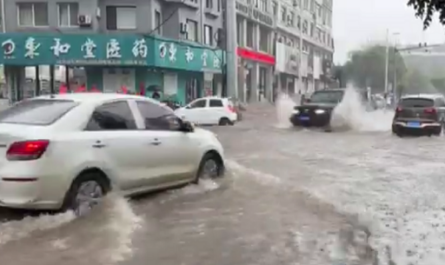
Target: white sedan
{"points": [[66, 151], [209, 111]]}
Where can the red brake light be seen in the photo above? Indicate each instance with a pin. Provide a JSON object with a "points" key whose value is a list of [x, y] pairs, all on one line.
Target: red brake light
{"points": [[399, 109], [27, 150], [430, 110], [231, 108]]}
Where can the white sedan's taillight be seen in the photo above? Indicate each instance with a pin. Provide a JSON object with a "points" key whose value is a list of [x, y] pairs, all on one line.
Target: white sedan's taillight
{"points": [[27, 150]]}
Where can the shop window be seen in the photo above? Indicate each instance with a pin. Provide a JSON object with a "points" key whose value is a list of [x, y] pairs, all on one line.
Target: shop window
{"points": [[32, 14], [250, 34], [67, 14], [192, 30], [121, 17], [208, 35], [264, 39]]}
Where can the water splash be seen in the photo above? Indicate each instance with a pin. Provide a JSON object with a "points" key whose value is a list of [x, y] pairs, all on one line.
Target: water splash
{"points": [[351, 114], [102, 237], [284, 106]]}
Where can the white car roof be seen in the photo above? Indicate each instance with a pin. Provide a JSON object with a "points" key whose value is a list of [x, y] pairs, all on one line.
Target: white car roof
{"points": [[95, 97]]}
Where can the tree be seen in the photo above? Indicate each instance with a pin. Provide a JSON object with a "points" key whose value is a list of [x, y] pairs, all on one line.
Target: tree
{"points": [[426, 8], [415, 81], [366, 67]]}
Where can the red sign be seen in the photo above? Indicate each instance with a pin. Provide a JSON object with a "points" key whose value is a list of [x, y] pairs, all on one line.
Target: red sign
{"points": [[255, 56]]}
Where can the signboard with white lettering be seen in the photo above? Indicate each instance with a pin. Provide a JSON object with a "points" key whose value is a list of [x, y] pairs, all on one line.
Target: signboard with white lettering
{"points": [[254, 13]]}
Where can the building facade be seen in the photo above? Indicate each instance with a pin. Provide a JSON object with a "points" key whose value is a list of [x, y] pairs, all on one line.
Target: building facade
{"points": [[142, 45], [283, 45]]}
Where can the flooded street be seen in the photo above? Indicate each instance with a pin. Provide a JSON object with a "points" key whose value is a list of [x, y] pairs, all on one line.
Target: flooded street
{"points": [[290, 197]]}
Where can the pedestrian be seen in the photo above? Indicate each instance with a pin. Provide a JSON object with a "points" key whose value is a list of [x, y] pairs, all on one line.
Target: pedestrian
{"points": [[156, 95]]}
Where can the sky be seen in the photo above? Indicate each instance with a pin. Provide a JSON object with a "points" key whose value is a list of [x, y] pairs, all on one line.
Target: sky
{"points": [[360, 22]]}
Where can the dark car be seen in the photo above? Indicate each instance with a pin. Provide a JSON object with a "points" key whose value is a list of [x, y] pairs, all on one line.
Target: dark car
{"points": [[316, 111], [419, 114]]}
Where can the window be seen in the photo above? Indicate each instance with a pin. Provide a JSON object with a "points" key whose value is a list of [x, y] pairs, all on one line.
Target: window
{"points": [[219, 5], [121, 17], [264, 39], [275, 9], [305, 27], [32, 14], [263, 5], [216, 103], [291, 19], [192, 30], [158, 22], [112, 116], [209, 4], [68, 13], [298, 22], [208, 35], [250, 30], [283, 14], [201, 103], [38, 112], [157, 117], [239, 31], [306, 4]]}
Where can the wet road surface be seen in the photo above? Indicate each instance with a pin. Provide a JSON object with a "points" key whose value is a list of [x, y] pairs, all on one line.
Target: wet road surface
{"points": [[291, 197]]}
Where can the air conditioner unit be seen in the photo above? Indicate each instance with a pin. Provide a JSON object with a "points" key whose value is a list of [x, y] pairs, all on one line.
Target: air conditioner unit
{"points": [[84, 20], [183, 28]]}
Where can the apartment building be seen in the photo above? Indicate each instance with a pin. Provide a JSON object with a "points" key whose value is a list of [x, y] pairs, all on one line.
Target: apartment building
{"points": [[312, 21], [165, 45], [279, 41]]}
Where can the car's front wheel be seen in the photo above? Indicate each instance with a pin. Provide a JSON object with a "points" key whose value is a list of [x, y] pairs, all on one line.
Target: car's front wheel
{"points": [[211, 167], [224, 121], [85, 193]]}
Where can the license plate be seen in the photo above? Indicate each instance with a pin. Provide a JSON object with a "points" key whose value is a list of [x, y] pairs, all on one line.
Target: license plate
{"points": [[413, 124], [304, 118]]}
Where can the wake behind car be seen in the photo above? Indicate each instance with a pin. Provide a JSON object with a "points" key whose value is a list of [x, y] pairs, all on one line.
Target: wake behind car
{"points": [[317, 110], [419, 114], [66, 151]]}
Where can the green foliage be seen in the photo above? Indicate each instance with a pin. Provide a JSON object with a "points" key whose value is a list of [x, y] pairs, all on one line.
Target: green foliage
{"points": [[366, 67], [426, 8], [414, 81]]}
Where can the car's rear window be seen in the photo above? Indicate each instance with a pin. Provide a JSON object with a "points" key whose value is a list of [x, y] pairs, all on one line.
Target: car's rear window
{"points": [[416, 103], [38, 112]]}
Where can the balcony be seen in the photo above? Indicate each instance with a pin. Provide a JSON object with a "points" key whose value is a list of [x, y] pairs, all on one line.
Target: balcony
{"points": [[211, 11]]}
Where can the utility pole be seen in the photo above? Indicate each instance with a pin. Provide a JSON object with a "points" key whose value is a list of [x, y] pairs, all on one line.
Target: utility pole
{"points": [[395, 68], [386, 63], [300, 58], [231, 53]]}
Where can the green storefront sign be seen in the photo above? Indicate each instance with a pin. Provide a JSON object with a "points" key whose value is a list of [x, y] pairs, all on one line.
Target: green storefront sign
{"points": [[106, 50]]}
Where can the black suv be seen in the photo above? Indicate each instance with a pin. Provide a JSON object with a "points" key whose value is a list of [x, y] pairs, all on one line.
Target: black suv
{"points": [[419, 114], [317, 110]]}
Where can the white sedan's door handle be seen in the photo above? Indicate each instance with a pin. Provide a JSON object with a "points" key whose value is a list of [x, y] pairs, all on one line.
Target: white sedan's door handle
{"points": [[156, 142]]}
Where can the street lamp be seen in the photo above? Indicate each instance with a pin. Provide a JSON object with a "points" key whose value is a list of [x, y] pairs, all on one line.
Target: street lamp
{"points": [[387, 60]]}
